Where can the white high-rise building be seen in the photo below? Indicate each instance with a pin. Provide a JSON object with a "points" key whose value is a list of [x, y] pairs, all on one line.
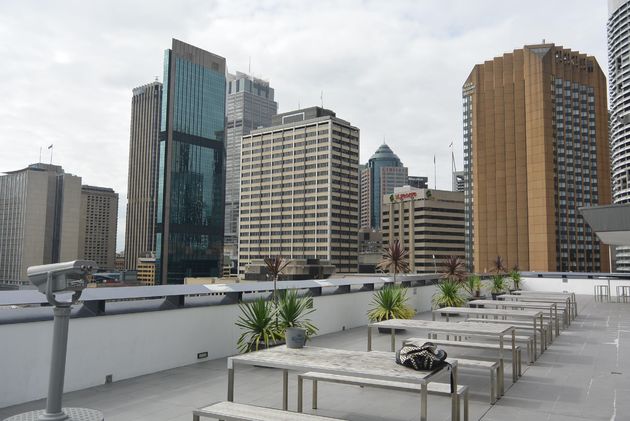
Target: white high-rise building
{"points": [[618, 74]]}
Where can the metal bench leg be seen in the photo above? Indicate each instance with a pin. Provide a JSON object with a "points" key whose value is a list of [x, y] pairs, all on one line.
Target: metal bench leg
{"points": [[300, 386], [423, 403], [195, 417], [493, 397], [314, 401], [501, 378], [519, 361], [466, 405], [285, 390]]}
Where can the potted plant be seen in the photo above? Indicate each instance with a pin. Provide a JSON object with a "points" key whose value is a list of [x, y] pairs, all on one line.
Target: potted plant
{"points": [[259, 324], [292, 321], [448, 295], [395, 258], [473, 286], [497, 286], [390, 302], [515, 274]]}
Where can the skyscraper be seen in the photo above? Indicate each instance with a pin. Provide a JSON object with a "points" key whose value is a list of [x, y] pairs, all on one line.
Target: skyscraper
{"points": [[299, 190], [250, 105], [536, 150], [146, 106], [190, 197], [618, 73], [97, 227], [39, 219], [380, 176]]}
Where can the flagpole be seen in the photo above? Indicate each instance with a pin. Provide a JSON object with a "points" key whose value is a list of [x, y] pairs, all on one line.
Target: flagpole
{"points": [[40, 154], [51, 152], [434, 174]]}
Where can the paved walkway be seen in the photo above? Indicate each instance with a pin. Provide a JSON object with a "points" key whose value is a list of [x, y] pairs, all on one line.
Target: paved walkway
{"points": [[584, 375]]}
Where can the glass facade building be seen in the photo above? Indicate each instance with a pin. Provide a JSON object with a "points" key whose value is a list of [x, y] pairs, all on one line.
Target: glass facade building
{"points": [[380, 176], [190, 206]]}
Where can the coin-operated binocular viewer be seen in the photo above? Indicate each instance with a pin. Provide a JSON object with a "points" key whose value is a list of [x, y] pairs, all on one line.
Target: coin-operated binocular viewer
{"points": [[56, 281]]}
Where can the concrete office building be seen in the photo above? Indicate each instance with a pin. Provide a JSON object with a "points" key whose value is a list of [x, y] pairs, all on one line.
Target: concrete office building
{"points": [[146, 107], [418, 182], [190, 197], [428, 223], [618, 73], [98, 225], [39, 219], [536, 150], [299, 190], [381, 175], [146, 270], [250, 105]]}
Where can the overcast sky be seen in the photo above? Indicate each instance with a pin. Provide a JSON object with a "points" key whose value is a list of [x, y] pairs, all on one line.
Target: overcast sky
{"points": [[392, 68]]}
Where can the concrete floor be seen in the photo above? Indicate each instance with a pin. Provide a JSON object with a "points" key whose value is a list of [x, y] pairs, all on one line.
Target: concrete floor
{"points": [[584, 375]]}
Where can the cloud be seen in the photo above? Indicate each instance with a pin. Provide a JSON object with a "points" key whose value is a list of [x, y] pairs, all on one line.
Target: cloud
{"points": [[394, 69]]}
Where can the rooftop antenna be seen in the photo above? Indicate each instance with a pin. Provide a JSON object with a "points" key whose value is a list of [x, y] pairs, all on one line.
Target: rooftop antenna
{"points": [[249, 68], [543, 40], [434, 173], [156, 79], [322, 98]]}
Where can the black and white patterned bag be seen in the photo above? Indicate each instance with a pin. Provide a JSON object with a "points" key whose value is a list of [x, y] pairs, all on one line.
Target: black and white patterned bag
{"points": [[425, 357]]}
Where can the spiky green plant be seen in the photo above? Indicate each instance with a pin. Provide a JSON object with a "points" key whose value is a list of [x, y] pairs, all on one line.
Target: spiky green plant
{"points": [[515, 274], [395, 258], [390, 302], [497, 285], [472, 285], [292, 312], [448, 295], [258, 322]]}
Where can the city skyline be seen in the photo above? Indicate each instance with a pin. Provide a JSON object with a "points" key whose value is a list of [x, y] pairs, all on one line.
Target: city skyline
{"points": [[69, 60]]}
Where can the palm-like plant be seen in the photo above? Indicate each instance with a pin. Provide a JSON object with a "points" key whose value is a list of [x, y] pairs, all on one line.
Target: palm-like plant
{"points": [[497, 285], [515, 274], [472, 285], [390, 302], [258, 320], [453, 269], [498, 266], [395, 258], [275, 267], [448, 295], [292, 312]]}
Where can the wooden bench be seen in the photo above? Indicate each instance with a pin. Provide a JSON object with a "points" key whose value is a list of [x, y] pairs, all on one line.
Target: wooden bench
{"points": [[230, 411], [433, 388], [545, 335], [467, 344]]}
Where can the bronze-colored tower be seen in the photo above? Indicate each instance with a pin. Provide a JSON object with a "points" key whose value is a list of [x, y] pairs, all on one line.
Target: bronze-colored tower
{"points": [[536, 149]]}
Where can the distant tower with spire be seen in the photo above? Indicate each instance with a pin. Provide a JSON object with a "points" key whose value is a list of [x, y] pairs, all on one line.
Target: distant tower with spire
{"points": [[383, 172]]}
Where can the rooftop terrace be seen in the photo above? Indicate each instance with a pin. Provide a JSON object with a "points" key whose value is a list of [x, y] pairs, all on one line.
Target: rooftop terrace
{"points": [[583, 375]]}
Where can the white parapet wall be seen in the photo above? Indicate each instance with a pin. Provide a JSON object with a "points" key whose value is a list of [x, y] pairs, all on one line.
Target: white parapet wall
{"points": [[134, 344], [580, 286]]}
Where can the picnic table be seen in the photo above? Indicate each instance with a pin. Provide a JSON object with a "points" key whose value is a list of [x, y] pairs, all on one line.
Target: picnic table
{"points": [[566, 301], [551, 307], [337, 361], [570, 295], [496, 330], [532, 315]]}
